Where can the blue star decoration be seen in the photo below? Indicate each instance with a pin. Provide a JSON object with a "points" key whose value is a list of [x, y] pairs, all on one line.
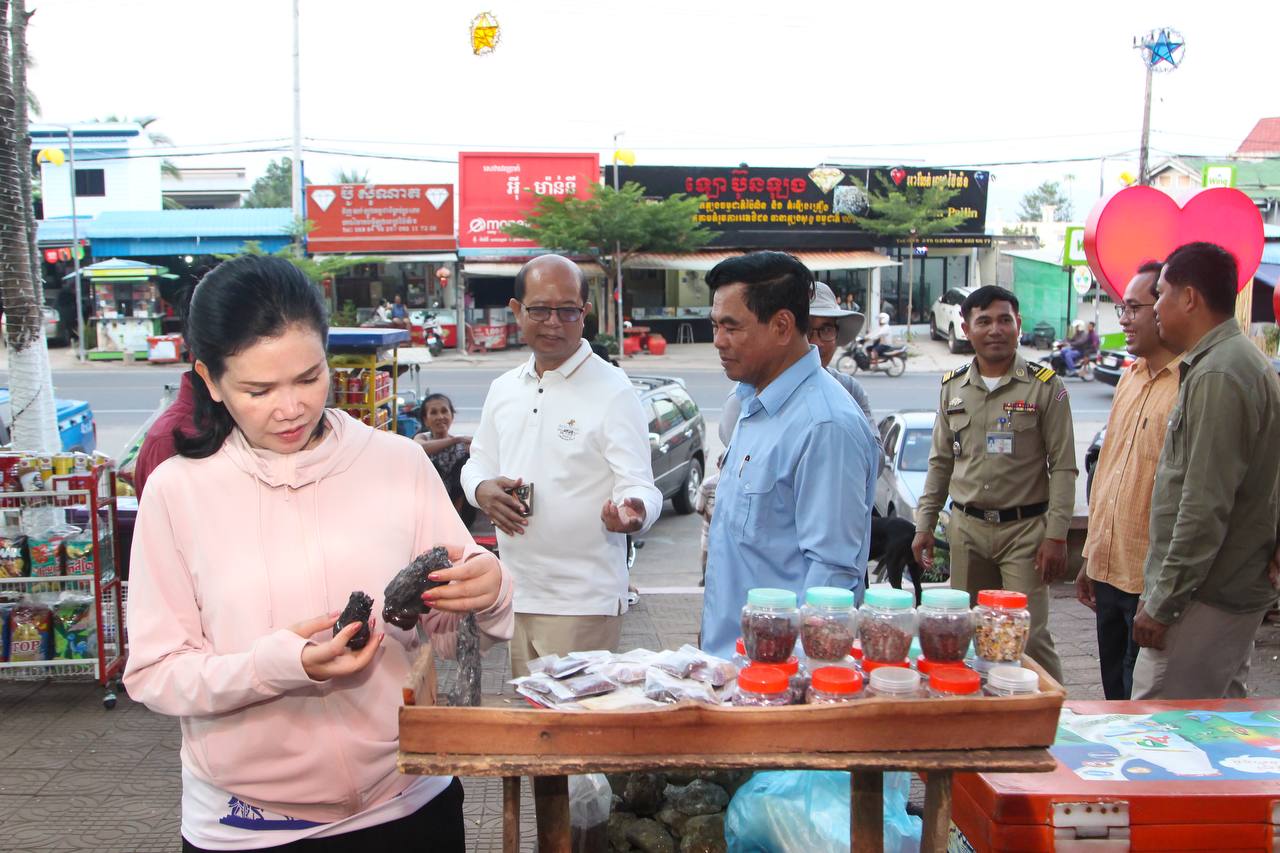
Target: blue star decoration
{"points": [[1167, 48]]}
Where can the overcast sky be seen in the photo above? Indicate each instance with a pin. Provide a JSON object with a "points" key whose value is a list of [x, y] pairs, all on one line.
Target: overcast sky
{"points": [[689, 81]]}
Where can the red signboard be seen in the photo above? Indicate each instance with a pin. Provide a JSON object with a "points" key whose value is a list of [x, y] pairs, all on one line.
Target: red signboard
{"points": [[380, 217], [495, 190]]}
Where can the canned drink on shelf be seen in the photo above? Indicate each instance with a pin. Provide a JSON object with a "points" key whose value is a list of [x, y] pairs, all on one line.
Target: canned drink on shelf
{"points": [[63, 463], [46, 470], [81, 464]]}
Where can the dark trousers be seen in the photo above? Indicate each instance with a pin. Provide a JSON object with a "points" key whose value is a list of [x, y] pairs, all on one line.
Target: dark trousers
{"points": [[1116, 650], [437, 827]]}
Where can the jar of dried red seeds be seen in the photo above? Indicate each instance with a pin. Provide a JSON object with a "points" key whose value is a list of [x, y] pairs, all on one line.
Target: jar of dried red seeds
{"points": [[827, 621], [770, 625]]}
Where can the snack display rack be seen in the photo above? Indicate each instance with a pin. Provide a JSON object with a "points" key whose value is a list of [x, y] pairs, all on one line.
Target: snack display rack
{"points": [[366, 369], [88, 498]]}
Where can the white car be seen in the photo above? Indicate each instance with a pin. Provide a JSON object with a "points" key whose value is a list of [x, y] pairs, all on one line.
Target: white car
{"points": [[907, 438], [945, 319], [51, 321]]}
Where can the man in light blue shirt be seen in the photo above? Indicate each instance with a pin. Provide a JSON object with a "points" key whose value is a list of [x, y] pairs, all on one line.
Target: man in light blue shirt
{"points": [[793, 508]]}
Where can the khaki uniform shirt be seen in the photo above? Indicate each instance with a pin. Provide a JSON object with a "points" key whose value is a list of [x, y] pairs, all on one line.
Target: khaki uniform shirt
{"points": [[1029, 407], [1215, 508], [1120, 504]]}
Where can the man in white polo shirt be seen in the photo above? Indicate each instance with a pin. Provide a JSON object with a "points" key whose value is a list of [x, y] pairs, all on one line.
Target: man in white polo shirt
{"points": [[571, 426]]}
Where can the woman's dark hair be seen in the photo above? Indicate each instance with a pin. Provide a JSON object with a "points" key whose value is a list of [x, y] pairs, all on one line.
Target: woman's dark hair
{"points": [[775, 281], [1208, 268], [430, 398], [240, 302]]}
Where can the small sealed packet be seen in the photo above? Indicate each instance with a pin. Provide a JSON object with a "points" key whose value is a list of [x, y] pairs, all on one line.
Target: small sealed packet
{"points": [[710, 669], [625, 699], [556, 666], [677, 663], [662, 687], [621, 671]]}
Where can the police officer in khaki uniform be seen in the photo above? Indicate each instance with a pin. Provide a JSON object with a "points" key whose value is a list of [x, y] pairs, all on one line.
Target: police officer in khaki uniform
{"points": [[1004, 449]]}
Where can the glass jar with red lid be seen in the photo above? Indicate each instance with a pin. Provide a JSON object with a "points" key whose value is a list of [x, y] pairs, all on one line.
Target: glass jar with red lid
{"points": [[833, 685]]}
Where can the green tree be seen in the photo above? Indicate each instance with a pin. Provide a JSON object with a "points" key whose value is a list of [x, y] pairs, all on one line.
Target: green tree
{"points": [[612, 226], [1050, 193], [342, 176], [909, 213], [275, 188]]}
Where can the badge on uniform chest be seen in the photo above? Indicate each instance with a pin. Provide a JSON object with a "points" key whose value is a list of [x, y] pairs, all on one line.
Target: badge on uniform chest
{"points": [[1020, 406], [1000, 439]]}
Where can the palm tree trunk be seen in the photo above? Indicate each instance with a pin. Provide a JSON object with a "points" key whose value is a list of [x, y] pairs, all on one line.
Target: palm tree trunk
{"points": [[34, 426], [22, 100]]}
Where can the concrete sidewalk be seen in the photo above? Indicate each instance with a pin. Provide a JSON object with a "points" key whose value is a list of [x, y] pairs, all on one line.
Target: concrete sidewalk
{"points": [[80, 778]]}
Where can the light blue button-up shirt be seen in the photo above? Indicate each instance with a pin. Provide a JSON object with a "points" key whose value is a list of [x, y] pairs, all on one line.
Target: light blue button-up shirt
{"points": [[793, 508]]}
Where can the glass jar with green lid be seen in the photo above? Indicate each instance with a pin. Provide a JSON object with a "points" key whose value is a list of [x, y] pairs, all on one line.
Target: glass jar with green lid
{"points": [[770, 624], [945, 624], [886, 624], [827, 620]]}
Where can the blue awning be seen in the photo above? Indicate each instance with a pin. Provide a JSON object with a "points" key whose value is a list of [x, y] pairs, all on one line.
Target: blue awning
{"points": [[57, 232], [147, 233]]}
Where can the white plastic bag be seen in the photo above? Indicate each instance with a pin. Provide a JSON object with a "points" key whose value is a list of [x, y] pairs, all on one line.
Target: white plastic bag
{"points": [[589, 799]]}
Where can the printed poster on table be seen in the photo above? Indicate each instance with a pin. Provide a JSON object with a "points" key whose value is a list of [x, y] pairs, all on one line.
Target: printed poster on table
{"points": [[1170, 745]]}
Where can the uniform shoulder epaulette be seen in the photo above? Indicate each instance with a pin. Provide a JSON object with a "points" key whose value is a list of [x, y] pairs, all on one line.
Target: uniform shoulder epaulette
{"points": [[952, 374], [1039, 371]]}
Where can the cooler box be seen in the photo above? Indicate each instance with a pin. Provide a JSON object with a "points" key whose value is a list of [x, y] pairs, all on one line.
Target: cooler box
{"points": [[164, 349], [1154, 776]]}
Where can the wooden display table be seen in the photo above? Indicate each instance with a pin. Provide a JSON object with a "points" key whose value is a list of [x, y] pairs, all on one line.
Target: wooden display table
{"points": [[867, 738]]}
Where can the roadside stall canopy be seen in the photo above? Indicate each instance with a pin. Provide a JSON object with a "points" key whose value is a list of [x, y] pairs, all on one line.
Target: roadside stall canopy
{"points": [[152, 233], [815, 261], [118, 270]]}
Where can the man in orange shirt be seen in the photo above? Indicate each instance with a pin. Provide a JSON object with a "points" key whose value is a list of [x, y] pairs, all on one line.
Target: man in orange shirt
{"points": [[1110, 582]]}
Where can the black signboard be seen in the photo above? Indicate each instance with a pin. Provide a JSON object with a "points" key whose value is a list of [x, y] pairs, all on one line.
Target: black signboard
{"points": [[771, 208]]}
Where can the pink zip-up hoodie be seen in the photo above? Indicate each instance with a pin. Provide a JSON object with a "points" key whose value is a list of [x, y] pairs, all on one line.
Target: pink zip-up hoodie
{"points": [[231, 550]]}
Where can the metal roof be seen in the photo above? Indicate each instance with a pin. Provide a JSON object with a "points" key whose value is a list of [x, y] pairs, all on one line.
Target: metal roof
{"points": [[245, 222], [54, 232], [816, 261]]}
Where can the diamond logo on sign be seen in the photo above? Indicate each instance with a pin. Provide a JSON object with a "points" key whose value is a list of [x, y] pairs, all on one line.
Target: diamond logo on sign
{"points": [[1082, 280], [826, 178], [437, 196], [323, 198]]}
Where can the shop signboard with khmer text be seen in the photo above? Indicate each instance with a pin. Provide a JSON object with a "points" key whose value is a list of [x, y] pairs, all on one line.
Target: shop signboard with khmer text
{"points": [[798, 208], [380, 218], [498, 189]]}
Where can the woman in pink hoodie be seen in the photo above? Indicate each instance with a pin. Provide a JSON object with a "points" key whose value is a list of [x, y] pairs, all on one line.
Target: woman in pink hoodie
{"points": [[248, 544]]}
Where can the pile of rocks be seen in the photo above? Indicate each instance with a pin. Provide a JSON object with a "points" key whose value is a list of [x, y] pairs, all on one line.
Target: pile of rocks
{"points": [[673, 812]]}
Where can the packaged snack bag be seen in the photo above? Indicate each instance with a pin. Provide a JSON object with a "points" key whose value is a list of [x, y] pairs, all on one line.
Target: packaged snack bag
{"points": [[80, 555], [74, 636], [14, 560], [30, 633]]}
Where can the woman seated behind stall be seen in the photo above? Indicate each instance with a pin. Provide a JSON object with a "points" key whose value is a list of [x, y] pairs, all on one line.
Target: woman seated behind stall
{"points": [[447, 452], [248, 544]]}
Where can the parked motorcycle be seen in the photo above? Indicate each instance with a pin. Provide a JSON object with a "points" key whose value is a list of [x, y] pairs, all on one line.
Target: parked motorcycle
{"points": [[855, 357], [1085, 363], [433, 334]]}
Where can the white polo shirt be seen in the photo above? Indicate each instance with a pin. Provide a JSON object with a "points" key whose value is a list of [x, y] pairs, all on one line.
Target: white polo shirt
{"points": [[579, 435]]}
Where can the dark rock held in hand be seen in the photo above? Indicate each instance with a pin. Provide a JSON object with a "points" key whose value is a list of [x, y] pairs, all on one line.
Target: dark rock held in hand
{"points": [[359, 608], [402, 599]]}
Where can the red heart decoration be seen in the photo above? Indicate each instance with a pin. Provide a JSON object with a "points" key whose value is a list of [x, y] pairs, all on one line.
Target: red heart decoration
{"points": [[897, 175], [1141, 223]]}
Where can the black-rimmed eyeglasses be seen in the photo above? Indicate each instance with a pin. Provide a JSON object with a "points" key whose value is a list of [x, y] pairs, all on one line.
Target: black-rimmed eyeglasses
{"points": [[542, 313], [824, 333], [1127, 309]]}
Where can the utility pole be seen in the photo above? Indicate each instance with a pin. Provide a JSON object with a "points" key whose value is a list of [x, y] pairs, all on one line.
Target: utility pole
{"points": [[1146, 130], [75, 245], [911, 279], [298, 209], [617, 247]]}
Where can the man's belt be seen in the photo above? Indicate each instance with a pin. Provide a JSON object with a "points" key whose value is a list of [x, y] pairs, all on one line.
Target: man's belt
{"points": [[999, 516]]}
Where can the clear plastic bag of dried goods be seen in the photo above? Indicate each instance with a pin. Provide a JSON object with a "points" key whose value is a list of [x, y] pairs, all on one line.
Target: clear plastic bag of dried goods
{"points": [[799, 811], [662, 687], [589, 799]]}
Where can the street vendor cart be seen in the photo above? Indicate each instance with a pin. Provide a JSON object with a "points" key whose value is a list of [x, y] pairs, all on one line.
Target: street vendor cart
{"points": [[125, 307], [366, 370], [936, 737]]}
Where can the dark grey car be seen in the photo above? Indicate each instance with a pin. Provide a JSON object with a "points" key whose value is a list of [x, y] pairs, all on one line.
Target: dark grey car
{"points": [[677, 439]]}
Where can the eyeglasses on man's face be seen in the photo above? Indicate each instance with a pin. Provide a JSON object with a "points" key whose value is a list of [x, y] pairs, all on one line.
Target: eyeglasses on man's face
{"points": [[1130, 309], [542, 313], [824, 333]]}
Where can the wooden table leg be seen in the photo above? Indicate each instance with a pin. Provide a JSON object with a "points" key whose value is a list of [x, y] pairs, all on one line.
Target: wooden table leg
{"points": [[937, 811], [511, 814], [551, 807], [867, 812]]}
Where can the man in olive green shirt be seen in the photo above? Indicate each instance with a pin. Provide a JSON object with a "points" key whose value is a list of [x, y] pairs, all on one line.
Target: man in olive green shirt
{"points": [[1004, 449], [1215, 508]]}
